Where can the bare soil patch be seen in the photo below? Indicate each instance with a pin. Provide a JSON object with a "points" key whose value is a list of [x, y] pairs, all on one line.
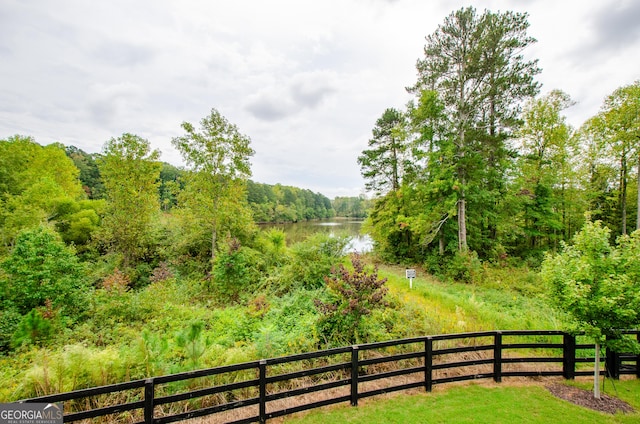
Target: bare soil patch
{"points": [[584, 398]]}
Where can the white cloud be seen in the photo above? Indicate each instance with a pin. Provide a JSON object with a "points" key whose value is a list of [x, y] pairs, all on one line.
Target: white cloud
{"points": [[305, 80]]}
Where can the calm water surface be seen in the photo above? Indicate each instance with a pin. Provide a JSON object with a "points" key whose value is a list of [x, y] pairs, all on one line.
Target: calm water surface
{"points": [[349, 227]]}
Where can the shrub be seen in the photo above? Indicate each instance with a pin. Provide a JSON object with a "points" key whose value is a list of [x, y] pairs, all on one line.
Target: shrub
{"points": [[32, 329], [356, 293], [235, 270], [465, 267], [40, 268], [312, 260], [117, 282], [9, 320], [161, 273]]}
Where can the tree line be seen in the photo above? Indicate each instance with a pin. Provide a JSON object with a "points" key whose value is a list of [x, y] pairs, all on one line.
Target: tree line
{"points": [[40, 184], [479, 165], [70, 220]]}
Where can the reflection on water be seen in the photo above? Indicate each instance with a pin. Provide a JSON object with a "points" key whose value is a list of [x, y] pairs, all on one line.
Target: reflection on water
{"points": [[347, 227], [360, 244]]}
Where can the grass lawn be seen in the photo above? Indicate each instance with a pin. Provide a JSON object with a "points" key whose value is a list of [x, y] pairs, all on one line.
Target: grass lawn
{"points": [[474, 403]]}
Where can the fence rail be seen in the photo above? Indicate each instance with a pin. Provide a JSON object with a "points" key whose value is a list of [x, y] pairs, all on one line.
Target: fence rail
{"points": [[251, 390]]}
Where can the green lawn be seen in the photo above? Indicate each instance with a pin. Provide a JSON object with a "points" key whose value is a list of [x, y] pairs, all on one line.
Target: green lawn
{"points": [[475, 404]]}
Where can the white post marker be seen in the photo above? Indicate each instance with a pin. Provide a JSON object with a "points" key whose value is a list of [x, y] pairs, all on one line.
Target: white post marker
{"points": [[411, 274]]}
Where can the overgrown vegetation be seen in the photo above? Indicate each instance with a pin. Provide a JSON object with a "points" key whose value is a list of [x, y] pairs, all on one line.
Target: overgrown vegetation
{"points": [[114, 266]]}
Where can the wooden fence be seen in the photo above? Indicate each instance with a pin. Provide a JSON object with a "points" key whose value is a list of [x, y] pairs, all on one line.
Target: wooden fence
{"points": [[255, 390]]}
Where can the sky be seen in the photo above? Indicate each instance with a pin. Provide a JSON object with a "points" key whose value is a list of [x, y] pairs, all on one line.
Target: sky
{"points": [[305, 80]]}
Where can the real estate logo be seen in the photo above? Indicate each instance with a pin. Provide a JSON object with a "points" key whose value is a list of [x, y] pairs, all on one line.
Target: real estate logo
{"points": [[31, 413]]}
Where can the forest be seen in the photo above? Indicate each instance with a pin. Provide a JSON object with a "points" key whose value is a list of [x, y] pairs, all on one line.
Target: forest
{"points": [[116, 266], [481, 166]]}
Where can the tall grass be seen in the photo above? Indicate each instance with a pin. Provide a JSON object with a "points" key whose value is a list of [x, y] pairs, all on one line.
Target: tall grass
{"points": [[136, 334], [504, 301]]}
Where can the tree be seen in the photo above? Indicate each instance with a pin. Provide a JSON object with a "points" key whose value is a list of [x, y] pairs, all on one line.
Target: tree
{"points": [[89, 172], [383, 163], [218, 155], [599, 172], [621, 118], [130, 171], [170, 185], [40, 269], [475, 64], [597, 285], [544, 172], [34, 182], [435, 187]]}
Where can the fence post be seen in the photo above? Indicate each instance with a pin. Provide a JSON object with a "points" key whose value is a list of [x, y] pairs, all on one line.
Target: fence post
{"points": [[149, 393], [354, 375], [612, 364], [638, 357], [497, 357], [428, 364], [262, 411], [569, 356]]}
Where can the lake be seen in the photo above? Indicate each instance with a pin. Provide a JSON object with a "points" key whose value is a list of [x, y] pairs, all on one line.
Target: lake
{"points": [[350, 227]]}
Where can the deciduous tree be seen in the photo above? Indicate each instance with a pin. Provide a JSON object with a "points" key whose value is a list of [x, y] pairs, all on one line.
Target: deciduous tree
{"points": [[545, 168], [218, 157], [597, 284], [130, 170]]}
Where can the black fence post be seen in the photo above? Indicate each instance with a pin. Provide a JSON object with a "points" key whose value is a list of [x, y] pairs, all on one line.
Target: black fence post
{"points": [[612, 364], [262, 413], [638, 358], [428, 364], [354, 375], [569, 357], [149, 393], [497, 357]]}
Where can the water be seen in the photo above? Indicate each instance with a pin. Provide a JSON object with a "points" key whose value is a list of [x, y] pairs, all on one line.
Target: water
{"points": [[349, 227]]}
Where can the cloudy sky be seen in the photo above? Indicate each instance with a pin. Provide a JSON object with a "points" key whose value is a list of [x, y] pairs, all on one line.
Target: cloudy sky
{"points": [[305, 80]]}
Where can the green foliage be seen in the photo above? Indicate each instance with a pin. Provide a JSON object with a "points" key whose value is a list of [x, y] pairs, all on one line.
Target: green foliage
{"points": [[89, 173], [546, 178], [130, 172], [78, 221], [383, 164], [482, 51], [357, 293], [272, 244], [171, 183], [278, 203], [218, 155], [41, 268], [235, 271], [289, 324], [597, 283], [193, 343], [464, 267], [353, 207], [10, 317], [32, 329], [312, 260], [35, 182], [152, 349]]}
